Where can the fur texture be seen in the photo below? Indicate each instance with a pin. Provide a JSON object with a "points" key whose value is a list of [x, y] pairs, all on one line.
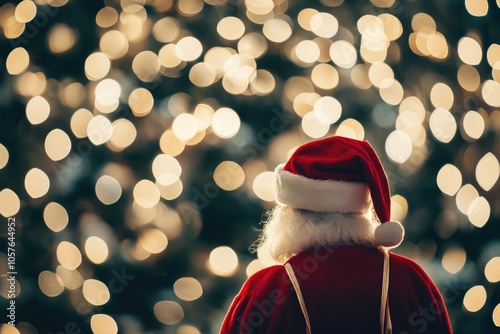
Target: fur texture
{"points": [[289, 231], [300, 192]]}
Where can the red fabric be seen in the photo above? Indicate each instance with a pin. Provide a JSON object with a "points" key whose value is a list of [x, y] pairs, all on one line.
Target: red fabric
{"points": [[344, 159], [341, 288]]}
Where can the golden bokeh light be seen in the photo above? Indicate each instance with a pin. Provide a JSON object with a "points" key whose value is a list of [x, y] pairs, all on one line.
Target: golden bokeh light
{"points": [[496, 311], [443, 125], [37, 183], [114, 44], [399, 208], [492, 270], [252, 44], [97, 66], [188, 329], [9, 203], [468, 77], [351, 128], [477, 8], [226, 122], [57, 144], [146, 66], [168, 57], [171, 191], [166, 29], [25, 11], [202, 74], [124, 134], [379, 72], [473, 124], [253, 267], [190, 7], [108, 190], [424, 23], [398, 146], [185, 126], [469, 51], [55, 216], [359, 76], [96, 249], [31, 84], [343, 54], [153, 241], [107, 94], [391, 91], [223, 261], [9, 329], [449, 179], [229, 176], [324, 25], [168, 312], [72, 279], [79, 122], [37, 110], [95, 292], [327, 109], [18, 60], [262, 82], [106, 17], [479, 212], [231, 28], [68, 255], [50, 283], [4, 156], [487, 171], [454, 259], [170, 144], [146, 194], [61, 38], [307, 51], [315, 125], [166, 169], [263, 186], [442, 96], [188, 48], [304, 18], [491, 93], [103, 324], [99, 130], [465, 196], [188, 288], [325, 76], [141, 102], [277, 30], [475, 298]]}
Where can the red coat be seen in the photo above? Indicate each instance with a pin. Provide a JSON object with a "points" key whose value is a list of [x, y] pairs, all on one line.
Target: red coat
{"points": [[341, 288]]}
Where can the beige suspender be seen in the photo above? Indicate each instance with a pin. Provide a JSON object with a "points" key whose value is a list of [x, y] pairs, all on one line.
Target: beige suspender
{"points": [[385, 314], [302, 303]]}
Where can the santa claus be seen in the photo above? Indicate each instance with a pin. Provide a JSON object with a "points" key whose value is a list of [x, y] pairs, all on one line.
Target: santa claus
{"points": [[329, 238]]}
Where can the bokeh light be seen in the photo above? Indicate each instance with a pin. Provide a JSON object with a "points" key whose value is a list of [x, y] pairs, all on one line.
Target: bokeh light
{"points": [[223, 261], [137, 136]]}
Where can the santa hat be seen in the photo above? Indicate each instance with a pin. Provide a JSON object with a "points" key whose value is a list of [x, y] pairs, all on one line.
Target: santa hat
{"points": [[338, 174]]}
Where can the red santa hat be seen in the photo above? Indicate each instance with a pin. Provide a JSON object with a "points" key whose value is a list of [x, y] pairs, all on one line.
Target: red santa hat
{"points": [[338, 174]]}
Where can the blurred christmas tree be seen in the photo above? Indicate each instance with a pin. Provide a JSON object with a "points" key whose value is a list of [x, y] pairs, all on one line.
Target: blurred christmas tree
{"points": [[138, 140]]}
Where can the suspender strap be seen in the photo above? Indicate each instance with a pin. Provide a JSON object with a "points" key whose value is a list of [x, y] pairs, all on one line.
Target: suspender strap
{"points": [[298, 291], [385, 313]]}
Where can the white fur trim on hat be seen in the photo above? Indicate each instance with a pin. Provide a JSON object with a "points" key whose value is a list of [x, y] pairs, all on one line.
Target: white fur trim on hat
{"points": [[300, 192], [389, 234]]}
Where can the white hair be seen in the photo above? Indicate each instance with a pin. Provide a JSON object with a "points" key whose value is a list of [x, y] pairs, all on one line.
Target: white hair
{"points": [[289, 231]]}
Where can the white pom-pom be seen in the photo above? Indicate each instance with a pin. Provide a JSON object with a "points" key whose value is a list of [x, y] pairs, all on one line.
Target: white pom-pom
{"points": [[389, 234]]}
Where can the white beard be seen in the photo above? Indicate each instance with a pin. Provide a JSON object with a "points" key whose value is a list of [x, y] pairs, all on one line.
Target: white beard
{"points": [[289, 231]]}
